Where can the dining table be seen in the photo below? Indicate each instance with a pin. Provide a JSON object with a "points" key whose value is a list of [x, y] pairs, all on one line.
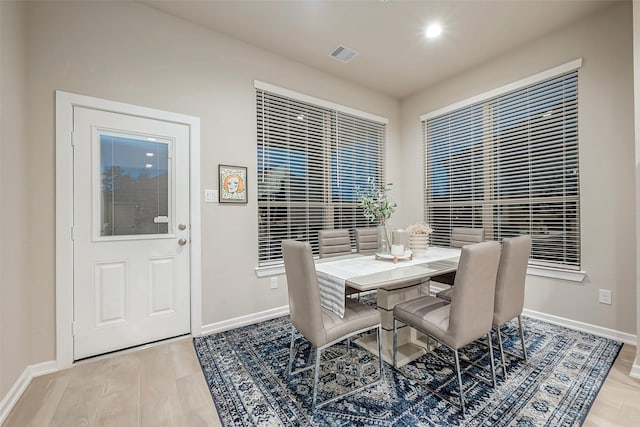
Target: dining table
{"points": [[395, 279]]}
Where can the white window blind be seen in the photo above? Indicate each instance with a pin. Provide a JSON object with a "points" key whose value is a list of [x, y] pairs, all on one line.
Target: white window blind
{"points": [[509, 164], [310, 160]]}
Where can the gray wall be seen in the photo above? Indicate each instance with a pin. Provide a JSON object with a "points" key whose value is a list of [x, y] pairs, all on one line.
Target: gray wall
{"points": [[636, 80], [132, 53], [15, 341], [607, 170]]}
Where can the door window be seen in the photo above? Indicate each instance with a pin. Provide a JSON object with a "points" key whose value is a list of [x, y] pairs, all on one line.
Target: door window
{"points": [[134, 185]]}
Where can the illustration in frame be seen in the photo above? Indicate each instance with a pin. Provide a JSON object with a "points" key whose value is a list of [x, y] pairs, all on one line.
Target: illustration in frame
{"points": [[233, 184]]}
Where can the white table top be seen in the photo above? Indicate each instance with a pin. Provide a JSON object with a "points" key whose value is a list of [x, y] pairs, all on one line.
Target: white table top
{"points": [[366, 273]]}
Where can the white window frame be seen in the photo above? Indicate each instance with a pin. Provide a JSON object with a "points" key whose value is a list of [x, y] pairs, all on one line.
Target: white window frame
{"points": [[559, 272], [267, 268]]}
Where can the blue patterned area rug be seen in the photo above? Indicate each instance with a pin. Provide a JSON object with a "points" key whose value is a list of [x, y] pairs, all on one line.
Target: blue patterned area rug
{"points": [[245, 369]]}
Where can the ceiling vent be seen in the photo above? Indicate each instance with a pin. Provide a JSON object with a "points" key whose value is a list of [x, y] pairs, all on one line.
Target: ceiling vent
{"points": [[343, 54]]}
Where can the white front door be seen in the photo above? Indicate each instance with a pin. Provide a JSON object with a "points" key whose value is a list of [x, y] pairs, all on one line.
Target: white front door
{"points": [[130, 231]]}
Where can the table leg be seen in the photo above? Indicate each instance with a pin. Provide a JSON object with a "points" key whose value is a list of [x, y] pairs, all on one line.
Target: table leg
{"points": [[411, 345]]}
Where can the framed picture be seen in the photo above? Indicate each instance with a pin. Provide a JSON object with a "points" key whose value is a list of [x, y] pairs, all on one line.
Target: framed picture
{"points": [[233, 184]]}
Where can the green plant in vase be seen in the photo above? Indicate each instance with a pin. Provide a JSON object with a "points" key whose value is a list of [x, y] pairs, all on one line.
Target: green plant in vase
{"points": [[377, 206]]}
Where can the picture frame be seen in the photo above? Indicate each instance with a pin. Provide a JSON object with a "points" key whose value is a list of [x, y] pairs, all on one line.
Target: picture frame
{"points": [[232, 182]]}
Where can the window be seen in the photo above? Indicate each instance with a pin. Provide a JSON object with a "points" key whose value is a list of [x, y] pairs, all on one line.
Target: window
{"points": [[134, 174], [311, 159], [509, 164]]}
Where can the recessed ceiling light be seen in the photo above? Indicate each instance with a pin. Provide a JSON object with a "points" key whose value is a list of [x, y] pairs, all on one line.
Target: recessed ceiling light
{"points": [[148, 165], [433, 30], [149, 154]]}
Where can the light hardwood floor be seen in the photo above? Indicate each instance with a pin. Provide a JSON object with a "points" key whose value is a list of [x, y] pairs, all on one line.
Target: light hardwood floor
{"points": [[618, 403], [163, 386], [157, 386]]}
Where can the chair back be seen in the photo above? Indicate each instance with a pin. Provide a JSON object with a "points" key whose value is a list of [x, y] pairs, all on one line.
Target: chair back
{"points": [[471, 310], [367, 240], [512, 273], [303, 290], [461, 236], [334, 242]]}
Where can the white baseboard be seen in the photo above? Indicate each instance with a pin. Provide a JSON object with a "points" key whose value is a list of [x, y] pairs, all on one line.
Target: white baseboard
{"points": [[585, 327], [43, 368], [244, 320], [635, 371], [573, 324], [11, 398], [21, 384]]}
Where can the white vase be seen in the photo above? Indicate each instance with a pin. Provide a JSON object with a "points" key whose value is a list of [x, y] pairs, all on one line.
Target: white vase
{"points": [[419, 243]]}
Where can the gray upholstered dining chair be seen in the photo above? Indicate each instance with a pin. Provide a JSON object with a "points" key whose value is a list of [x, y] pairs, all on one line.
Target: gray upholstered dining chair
{"points": [[509, 299], [334, 242], [322, 327], [366, 240], [468, 316], [460, 236], [366, 244]]}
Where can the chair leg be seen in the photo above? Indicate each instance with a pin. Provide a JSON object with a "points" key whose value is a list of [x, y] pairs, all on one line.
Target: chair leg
{"points": [[458, 372], [493, 365], [315, 381], [395, 342], [504, 365], [293, 340], [524, 348], [380, 348]]}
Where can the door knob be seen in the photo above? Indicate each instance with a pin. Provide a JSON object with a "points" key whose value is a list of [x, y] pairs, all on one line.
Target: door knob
{"points": [[182, 242], [182, 227]]}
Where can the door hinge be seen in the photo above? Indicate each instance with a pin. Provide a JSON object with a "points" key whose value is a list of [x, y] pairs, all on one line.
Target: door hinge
{"points": [[74, 328], [73, 138], [73, 233]]}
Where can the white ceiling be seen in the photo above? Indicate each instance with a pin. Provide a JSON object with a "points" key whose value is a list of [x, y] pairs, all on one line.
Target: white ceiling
{"points": [[394, 56]]}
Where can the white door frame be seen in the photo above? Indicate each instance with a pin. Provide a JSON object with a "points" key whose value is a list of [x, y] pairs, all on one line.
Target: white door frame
{"points": [[65, 102]]}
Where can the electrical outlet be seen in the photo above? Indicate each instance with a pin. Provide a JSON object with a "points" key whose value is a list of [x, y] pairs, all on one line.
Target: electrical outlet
{"points": [[604, 296], [274, 283]]}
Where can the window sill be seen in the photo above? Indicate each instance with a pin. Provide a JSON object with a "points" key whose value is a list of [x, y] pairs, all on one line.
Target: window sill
{"points": [[557, 273], [275, 270]]}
